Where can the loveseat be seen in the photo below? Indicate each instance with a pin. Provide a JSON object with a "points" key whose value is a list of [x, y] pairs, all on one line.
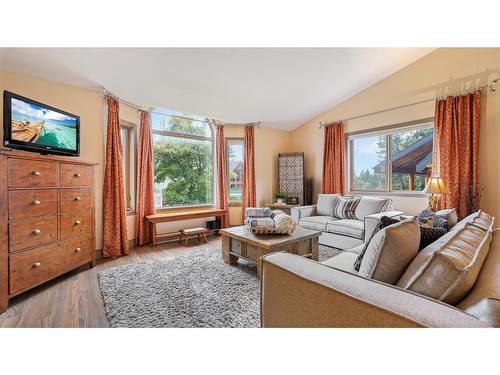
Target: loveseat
{"points": [[340, 233], [453, 282]]}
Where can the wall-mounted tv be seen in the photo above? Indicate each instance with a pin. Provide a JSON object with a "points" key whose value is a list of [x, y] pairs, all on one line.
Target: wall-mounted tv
{"points": [[33, 126]]}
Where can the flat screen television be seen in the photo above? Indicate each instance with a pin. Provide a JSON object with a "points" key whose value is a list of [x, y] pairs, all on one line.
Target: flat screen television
{"points": [[32, 126]]}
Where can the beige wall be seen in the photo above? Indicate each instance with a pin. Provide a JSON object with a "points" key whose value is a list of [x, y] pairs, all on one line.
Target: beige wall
{"points": [[88, 104], [85, 103], [444, 71]]}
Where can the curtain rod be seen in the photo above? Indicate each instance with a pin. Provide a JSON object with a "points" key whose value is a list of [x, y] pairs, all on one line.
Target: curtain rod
{"points": [[107, 94], [491, 87]]}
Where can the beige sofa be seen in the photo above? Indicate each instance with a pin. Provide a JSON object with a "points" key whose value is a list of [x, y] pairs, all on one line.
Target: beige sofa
{"points": [[299, 292], [343, 234]]}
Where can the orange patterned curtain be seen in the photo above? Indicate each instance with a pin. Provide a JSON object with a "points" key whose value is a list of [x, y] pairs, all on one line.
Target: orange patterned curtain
{"points": [[115, 241], [248, 195], [456, 151], [220, 150], [333, 159], [145, 185]]}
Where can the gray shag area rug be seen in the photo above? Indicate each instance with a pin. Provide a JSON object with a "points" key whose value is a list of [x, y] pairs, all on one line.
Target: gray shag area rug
{"points": [[195, 289]]}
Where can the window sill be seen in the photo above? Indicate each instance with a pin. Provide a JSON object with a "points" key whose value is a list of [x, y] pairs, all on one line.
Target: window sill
{"points": [[166, 209], [131, 213], [234, 204], [407, 194]]}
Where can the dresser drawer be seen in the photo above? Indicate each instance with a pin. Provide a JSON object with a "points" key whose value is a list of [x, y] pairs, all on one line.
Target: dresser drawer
{"points": [[31, 232], [32, 267], [75, 175], [76, 200], [31, 173], [25, 203], [76, 223]]}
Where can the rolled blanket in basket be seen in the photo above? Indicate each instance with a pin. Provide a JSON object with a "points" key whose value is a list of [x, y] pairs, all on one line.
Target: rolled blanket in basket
{"points": [[284, 221], [276, 212], [258, 212], [260, 222]]}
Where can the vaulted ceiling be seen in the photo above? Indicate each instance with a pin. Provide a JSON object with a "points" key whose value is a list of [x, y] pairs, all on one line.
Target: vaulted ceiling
{"points": [[282, 87]]}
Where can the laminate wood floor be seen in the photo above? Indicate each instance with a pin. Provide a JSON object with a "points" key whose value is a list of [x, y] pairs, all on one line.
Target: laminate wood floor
{"points": [[74, 299]]}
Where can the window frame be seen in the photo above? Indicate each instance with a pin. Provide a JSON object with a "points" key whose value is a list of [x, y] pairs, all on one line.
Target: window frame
{"points": [[228, 141], [130, 174], [384, 130], [194, 137]]}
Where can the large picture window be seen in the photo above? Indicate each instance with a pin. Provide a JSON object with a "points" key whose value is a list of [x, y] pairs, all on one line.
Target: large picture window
{"points": [[183, 159], [396, 160]]}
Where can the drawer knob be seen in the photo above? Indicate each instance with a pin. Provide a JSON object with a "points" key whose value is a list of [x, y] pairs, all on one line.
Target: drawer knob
{"points": [[78, 199], [37, 264], [35, 173], [77, 175], [78, 249], [78, 222], [36, 202], [36, 232]]}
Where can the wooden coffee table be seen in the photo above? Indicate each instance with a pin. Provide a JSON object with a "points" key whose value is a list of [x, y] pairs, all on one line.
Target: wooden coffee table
{"points": [[240, 242]]}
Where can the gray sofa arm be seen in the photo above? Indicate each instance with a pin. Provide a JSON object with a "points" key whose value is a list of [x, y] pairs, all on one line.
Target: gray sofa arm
{"points": [[301, 212], [371, 221], [299, 292]]}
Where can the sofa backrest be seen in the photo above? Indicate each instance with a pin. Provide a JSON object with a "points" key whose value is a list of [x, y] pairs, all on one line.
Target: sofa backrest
{"points": [[483, 300], [448, 268]]}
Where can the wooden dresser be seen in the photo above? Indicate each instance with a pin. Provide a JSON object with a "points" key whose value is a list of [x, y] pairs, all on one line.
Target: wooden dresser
{"points": [[46, 219]]}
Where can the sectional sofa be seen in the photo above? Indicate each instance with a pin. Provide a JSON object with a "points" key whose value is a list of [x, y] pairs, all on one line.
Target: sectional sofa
{"points": [[453, 282], [343, 234]]}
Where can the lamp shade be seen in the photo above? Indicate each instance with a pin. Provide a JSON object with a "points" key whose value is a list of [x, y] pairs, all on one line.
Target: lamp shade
{"points": [[435, 185]]}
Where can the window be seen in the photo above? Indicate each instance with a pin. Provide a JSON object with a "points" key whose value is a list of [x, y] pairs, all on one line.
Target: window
{"points": [[127, 133], [183, 159], [234, 147], [401, 155]]}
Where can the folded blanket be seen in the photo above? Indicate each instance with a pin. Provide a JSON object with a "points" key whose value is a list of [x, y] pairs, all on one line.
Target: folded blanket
{"points": [[258, 212], [276, 212], [284, 221], [260, 222]]}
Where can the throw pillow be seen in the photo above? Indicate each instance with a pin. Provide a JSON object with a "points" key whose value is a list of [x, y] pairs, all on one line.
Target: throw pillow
{"points": [[429, 218], [384, 221], [450, 215], [324, 206], [390, 252], [429, 234], [344, 208]]}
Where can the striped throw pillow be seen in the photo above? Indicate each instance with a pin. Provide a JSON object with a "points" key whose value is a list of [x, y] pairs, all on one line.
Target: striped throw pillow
{"points": [[344, 207]]}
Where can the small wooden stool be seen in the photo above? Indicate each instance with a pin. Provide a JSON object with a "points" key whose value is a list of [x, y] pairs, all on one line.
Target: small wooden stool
{"points": [[199, 231]]}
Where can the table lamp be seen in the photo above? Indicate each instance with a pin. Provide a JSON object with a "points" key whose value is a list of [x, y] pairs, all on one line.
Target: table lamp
{"points": [[434, 186]]}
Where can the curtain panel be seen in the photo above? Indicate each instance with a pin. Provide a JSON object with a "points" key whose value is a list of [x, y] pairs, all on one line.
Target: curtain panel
{"points": [[248, 191], [333, 159], [456, 151], [220, 150], [145, 181], [115, 241]]}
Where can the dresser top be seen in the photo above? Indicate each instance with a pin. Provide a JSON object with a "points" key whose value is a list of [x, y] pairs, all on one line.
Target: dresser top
{"points": [[35, 156]]}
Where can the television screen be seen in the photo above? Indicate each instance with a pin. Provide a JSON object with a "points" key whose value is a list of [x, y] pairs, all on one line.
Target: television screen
{"points": [[34, 126]]}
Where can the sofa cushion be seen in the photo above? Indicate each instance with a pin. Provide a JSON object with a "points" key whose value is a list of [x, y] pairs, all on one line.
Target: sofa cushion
{"points": [[342, 261], [370, 205], [345, 207], [347, 227], [450, 215], [324, 206], [382, 223], [390, 251], [449, 272], [316, 222]]}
